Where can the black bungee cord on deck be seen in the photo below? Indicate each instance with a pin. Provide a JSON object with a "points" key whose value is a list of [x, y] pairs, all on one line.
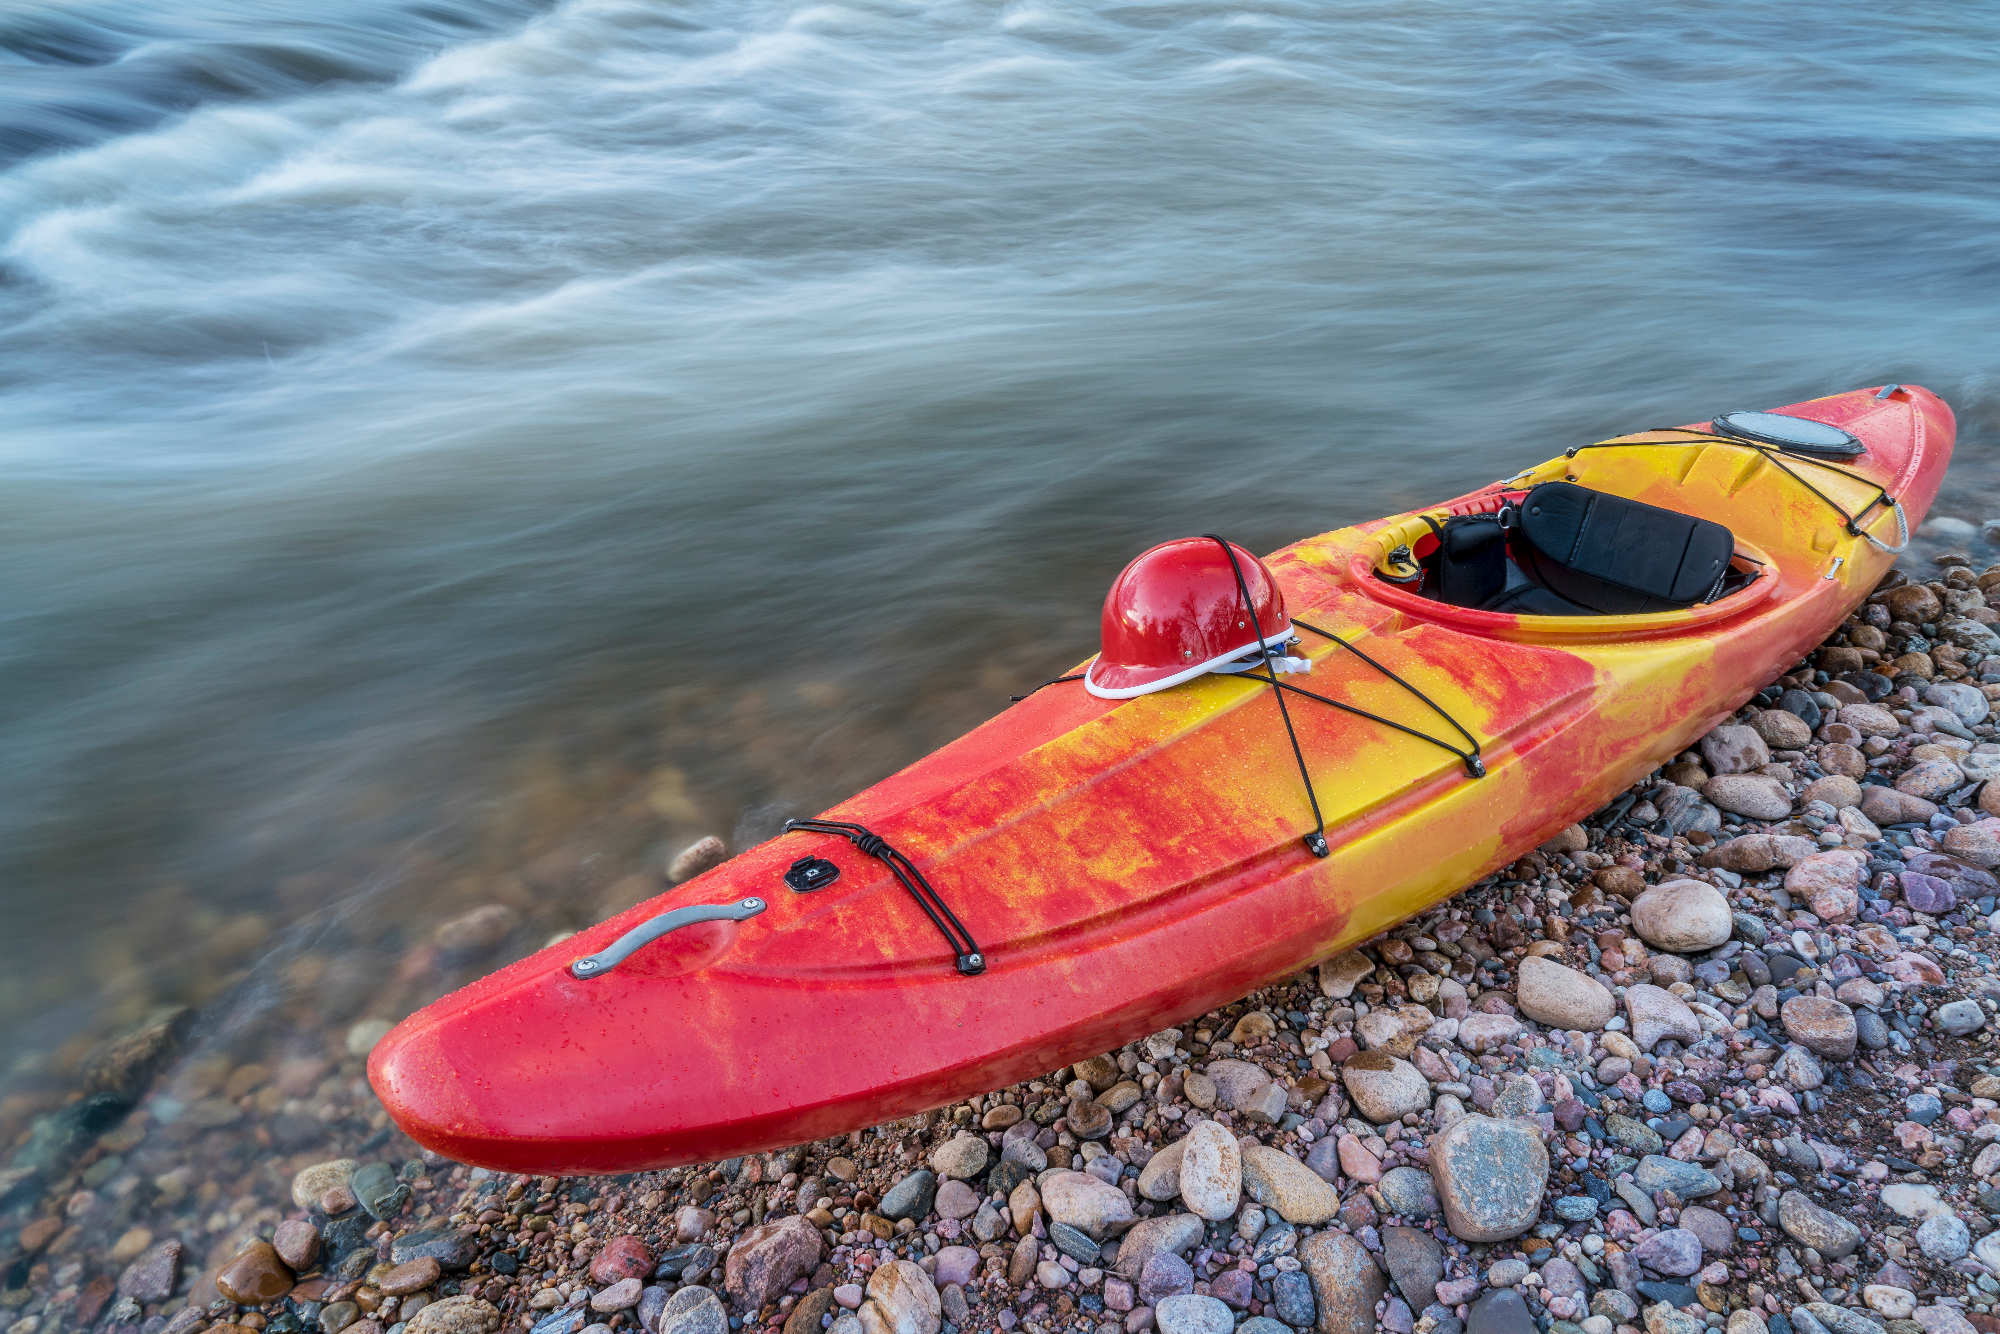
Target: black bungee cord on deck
{"points": [[971, 961], [1052, 681], [1316, 840], [1475, 765], [1852, 522]]}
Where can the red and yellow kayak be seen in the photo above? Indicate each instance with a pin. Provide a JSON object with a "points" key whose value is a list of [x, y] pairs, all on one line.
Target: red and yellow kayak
{"points": [[1127, 864]]}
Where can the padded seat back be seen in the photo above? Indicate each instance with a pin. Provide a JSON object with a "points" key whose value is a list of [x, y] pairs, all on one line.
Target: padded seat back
{"points": [[1470, 566], [1618, 557]]}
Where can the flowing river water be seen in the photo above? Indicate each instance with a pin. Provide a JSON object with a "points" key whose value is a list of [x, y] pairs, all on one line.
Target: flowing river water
{"points": [[460, 451]]}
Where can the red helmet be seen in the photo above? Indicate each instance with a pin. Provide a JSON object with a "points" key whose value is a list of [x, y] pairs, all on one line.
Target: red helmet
{"points": [[1177, 612]]}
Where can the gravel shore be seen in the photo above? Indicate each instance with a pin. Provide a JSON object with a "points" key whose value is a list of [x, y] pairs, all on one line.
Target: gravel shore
{"points": [[1721, 1057]]}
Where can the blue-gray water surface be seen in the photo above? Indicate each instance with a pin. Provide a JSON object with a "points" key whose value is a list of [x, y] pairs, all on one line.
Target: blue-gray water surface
{"points": [[460, 451]]}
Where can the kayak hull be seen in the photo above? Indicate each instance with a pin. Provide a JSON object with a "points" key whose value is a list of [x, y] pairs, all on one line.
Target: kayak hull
{"points": [[1126, 865]]}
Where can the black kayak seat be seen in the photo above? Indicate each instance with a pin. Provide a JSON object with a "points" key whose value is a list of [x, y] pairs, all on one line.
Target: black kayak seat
{"points": [[1530, 599], [1578, 552], [1470, 566], [1619, 557]]}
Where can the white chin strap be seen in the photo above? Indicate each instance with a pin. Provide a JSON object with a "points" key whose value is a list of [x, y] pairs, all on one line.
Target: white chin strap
{"points": [[1280, 663]]}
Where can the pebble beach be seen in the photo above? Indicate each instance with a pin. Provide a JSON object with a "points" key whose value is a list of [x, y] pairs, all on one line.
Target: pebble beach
{"points": [[1720, 1057]]}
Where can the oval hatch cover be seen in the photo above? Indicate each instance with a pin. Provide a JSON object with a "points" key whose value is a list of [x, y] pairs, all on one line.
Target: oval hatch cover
{"points": [[1795, 435]]}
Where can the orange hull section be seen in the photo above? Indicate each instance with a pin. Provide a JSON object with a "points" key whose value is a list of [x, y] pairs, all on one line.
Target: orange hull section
{"points": [[1129, 864]]}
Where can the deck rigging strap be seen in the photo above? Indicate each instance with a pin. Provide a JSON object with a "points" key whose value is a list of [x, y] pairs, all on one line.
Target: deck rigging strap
{"points": [[1316, 840], [1054, 680], [971, 961], [1852, 522], [1475, 765]]}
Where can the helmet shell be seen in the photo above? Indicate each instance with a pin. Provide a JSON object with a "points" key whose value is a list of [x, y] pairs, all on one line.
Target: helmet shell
{"points": [[1176, 612]]}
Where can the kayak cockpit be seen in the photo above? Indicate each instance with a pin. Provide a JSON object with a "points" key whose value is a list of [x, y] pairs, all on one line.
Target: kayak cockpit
{"points": [[1565, 550], [1700, 524], [1498, 582]]}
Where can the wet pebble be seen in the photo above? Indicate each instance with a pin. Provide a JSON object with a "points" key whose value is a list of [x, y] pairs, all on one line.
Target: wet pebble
{"points": [[453, 1248], [152, 1276], [309, 1184], [257, 1275], [379, 1192], [413, 1276]]}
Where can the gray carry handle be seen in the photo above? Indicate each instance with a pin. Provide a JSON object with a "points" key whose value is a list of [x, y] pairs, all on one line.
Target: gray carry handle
{"points": [[602, 962]]}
